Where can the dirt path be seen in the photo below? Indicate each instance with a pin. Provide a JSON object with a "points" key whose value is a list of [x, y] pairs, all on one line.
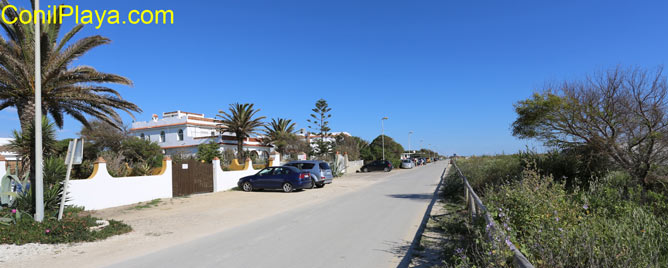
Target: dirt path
{"points": [[178, 220]]}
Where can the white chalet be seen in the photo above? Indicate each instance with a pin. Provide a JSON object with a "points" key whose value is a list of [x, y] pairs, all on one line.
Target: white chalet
{"points": [[181, 132]]}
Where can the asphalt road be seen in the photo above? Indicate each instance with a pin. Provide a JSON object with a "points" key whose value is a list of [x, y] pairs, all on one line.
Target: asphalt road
{"points": [[372, 227]]}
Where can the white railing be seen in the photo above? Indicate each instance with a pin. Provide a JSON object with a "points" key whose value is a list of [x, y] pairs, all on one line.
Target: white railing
{"points": [[477, 209]]}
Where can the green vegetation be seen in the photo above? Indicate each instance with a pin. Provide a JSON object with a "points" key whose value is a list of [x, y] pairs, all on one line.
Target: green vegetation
{"points": [[18, 227], [611, 223], [67, 90], [598, 197], [320, 122], [208, 151], [619, 114], [241, 120], [393, 150], [149, 204], [280, 132]]}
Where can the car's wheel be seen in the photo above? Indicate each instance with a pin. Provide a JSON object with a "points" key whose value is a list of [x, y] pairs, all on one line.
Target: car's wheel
{"points": [[312, 183], [320, 185], [365, 170], [247, 187], [287, 187], [387, 169]]}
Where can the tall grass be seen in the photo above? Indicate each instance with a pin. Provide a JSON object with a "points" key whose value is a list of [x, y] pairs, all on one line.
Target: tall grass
{"points": [[609, 223]]}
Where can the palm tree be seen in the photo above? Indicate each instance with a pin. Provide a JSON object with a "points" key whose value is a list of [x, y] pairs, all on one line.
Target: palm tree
{"points": [[242, 122], [280, 133], [66, 90]]}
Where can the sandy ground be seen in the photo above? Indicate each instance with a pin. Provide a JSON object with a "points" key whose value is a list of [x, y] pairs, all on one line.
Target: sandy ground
{"points": [[178, 220]]}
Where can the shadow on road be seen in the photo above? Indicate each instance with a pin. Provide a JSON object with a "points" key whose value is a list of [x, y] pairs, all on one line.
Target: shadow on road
{"points": [[413, 196]]}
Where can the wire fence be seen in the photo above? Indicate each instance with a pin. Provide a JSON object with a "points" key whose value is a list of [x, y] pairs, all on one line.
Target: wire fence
{"points": [[477, 209]]}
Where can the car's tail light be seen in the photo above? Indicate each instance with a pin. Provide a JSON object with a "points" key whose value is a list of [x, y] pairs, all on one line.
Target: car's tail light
{"points": [[303, 175], [323, 177]]}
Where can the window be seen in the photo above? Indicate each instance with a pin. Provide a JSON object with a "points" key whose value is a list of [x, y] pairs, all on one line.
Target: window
{"points": [[142, 136], [265, 171], [180, 135], [324, 165], [162, 136], [213, 133]]}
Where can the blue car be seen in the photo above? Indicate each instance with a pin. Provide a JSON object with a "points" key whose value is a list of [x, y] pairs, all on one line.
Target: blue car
{"points": [[285, 178]]}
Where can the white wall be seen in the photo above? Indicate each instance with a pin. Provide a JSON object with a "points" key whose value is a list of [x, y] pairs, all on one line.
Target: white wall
{"points": [[3, 167], [226, 180], [354, 166], [105, 191]]}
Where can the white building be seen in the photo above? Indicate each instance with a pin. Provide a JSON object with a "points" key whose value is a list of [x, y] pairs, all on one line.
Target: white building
{"points": [[312, 138], [5, 152], [181, 132]]}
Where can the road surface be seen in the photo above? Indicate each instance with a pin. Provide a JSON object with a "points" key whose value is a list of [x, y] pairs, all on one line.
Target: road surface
{"points": [[372, 227]]}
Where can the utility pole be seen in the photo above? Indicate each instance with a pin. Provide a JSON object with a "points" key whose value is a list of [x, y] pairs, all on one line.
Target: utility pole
{"points": [[382, 129], [39, 176]]}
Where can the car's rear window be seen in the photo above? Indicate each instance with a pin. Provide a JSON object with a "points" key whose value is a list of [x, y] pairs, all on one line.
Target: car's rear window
{"points": [[324, 166], [308, 166]]}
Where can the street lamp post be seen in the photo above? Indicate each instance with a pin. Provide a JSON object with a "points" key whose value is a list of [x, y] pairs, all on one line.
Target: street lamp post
{"points": [[382, 129], [409, 141], [39, 187], [429, 148]]}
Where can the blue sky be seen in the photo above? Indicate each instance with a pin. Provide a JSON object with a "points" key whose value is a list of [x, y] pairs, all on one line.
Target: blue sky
{"points": [[450, 71]]}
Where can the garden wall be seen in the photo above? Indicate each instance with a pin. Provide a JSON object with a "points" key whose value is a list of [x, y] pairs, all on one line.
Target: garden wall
{"points": [[354, 166], [102, 190], [226, 180]]}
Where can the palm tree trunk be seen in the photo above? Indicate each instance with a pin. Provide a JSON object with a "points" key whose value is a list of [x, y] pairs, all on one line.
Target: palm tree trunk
{"points": [[240, 149], [26, 113]]}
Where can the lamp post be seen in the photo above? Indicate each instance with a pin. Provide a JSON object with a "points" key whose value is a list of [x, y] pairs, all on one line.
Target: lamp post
{"points": [[382, 130], [39, 176], [429, 148], [421, 144], [409, 141]]}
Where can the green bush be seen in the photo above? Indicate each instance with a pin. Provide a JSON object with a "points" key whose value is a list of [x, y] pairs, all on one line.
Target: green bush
{"points": [[72, 228], [604, 226], [485, 171]]}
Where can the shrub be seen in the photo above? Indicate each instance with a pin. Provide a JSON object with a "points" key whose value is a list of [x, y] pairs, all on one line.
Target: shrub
{"points": [[208, 151], [74, 227], [599, 227], [483, 171]]}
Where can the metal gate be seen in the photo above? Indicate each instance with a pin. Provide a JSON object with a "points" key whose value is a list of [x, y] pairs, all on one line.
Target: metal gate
{"points": [[191, 177]]}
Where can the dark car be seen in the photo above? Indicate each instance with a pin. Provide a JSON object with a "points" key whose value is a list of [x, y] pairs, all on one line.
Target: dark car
{"points": [[377, 165], [285, 178], [320, 171]]}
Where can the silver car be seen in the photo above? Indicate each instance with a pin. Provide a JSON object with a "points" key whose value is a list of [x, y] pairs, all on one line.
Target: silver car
{"points": [[321, 173], [406, 163]]}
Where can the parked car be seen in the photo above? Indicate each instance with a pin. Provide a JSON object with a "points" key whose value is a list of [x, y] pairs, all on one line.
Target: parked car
{"points": [[406, 163], [377, 165], [285, 178], [319, 171]]}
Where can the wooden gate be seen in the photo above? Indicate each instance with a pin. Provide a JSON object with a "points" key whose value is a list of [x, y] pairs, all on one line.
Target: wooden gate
{"points": [[191, 177]]}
